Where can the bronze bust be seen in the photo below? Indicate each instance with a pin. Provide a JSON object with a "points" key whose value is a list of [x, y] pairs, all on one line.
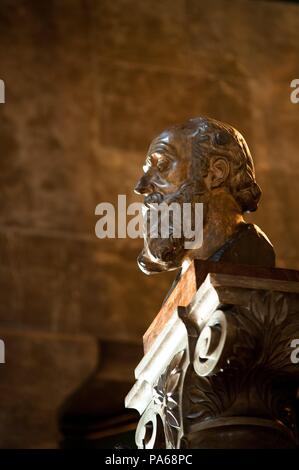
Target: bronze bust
{"points": [[218, 370], [207, 161]]}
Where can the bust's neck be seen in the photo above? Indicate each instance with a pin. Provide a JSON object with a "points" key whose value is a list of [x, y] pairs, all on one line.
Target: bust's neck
{"points": [[222, 220]]}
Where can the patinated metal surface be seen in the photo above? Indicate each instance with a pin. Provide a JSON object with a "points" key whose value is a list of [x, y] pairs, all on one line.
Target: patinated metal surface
{"points": [[217, 370], [205, 161]]}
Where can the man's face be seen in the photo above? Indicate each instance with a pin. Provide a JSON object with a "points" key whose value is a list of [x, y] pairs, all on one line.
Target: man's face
{"points": [[166, 179], [166, 167]]}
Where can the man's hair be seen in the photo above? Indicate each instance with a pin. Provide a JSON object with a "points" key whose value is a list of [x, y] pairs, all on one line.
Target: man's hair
{"points": [[211, 138]]}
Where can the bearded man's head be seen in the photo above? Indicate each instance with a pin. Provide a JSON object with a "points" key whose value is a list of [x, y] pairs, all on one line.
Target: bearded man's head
{"points": [[193, 162]]}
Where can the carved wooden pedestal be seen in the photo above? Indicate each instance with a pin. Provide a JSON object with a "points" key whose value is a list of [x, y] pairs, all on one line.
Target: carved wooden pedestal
{"points": [[217, 370]]}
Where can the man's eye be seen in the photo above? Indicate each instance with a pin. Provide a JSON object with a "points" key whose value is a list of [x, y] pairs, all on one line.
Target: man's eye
{"points": [[163, 165]]}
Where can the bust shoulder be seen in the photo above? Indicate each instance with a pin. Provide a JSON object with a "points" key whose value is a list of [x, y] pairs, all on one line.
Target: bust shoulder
{"points": [[248, 245]]}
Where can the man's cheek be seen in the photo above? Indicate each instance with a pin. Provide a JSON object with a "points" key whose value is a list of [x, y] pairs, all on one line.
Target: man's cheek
{"points": [[176, 177]]}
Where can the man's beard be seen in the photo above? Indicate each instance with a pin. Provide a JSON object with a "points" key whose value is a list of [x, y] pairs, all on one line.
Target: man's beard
{"points": [[159, 253]]}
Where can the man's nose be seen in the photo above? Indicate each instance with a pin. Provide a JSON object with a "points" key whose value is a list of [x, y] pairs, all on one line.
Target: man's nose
{"points": [[144, 185]]}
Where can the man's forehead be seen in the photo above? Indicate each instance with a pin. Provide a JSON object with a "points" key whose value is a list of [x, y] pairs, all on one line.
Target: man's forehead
{"points": [[166, 143]]}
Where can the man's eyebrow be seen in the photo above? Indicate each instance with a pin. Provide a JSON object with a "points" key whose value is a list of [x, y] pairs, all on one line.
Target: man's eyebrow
{"points": [[163, 148]]}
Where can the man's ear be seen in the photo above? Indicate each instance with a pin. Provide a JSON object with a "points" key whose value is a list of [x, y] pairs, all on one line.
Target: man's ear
{"points": [[218, 172]]}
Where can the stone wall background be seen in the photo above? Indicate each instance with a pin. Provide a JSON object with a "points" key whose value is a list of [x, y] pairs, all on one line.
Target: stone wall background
{"points": [[88, 85]]}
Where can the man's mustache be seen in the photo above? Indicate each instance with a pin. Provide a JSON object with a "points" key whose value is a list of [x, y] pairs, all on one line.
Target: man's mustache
{"points": [[153, 198]]}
